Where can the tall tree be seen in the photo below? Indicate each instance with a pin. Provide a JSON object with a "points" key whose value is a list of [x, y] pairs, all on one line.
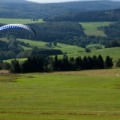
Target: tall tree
{"points": [[95, 61], [108, 62], [15, 66], [56, 63], [78, 63], [100, 62], [65, 63], [85, 63]]}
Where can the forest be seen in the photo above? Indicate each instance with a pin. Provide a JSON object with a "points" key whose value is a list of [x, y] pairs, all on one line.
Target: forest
{"points": [[22, 9], [88, 16]]}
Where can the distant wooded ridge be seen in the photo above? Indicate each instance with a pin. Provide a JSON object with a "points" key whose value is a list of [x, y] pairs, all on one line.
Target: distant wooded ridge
{"points": [[88, 16], [22, 9]]}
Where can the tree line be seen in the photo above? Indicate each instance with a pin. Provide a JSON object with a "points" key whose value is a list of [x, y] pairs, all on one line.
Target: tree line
{"points": [[88, 16], [11, 47], [112, 31], [49, 64]]}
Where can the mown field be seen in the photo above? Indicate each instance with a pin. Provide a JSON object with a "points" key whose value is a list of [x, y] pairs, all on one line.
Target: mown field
{"points": [[62, 47], [112, 52], [75, 51], [91, 28], [19, 21], [82, 95]]}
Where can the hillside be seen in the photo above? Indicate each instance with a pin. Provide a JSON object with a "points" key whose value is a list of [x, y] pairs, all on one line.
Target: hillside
{"points": [[74, 51], [91, 5], [77, 35], [12, 1], [88, 16], [22, 9]]}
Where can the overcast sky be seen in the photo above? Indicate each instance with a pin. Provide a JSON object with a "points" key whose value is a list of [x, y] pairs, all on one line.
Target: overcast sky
{"points": [[51, 1], [56, 1]]}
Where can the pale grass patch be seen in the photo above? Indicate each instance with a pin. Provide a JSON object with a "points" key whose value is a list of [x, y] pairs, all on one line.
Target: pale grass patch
{"points": [[4, 71], [105, 72]]}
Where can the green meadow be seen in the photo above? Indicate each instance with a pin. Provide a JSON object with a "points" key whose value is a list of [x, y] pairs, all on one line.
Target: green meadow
{"points": [[19, 59], [18, 21], [91, 28], [81, 95], [75, 51], [112, 52], [63, 47]]}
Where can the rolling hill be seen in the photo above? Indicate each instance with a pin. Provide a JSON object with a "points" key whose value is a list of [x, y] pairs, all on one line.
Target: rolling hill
{"points": [[30, 10], [13, 1]]}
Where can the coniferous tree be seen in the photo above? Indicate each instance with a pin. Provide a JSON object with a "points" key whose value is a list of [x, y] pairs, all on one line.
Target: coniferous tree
{"points": [[90, 62], [65, 63], [55, 63], [72, 63], [95, 62], [25, 67], [15, 66], [78, 63], [108, 62], [60, 65], [85, 63], [100, 62]]}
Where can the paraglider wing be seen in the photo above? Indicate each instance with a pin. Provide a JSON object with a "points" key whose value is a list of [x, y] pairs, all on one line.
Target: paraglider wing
{"points": [[26, 27]]}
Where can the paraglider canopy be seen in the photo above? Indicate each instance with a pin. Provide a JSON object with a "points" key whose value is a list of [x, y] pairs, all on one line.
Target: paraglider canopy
{"points": [[22, 26]]}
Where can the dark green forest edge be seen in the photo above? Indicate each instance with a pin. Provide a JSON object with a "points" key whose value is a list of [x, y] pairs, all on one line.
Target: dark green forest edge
{"points": [[57, 28]]}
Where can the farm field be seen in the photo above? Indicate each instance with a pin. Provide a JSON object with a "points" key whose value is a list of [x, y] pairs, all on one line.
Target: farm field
{"points": [[63, 47], [112, 52], [19, 21], [91, 27], [19, 59], [72, 51], [81, 95], [75, 51]]}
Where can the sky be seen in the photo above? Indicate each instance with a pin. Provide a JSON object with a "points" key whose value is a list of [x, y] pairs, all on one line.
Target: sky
{"points": [[57, 1], [51, 1]]}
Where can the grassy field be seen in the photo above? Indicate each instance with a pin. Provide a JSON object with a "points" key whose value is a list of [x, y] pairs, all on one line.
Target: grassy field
{"points": [[63, 47], [112, 52], [19, 21], [82, 95], [91, 27], [19, 59], [75, 51]]}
